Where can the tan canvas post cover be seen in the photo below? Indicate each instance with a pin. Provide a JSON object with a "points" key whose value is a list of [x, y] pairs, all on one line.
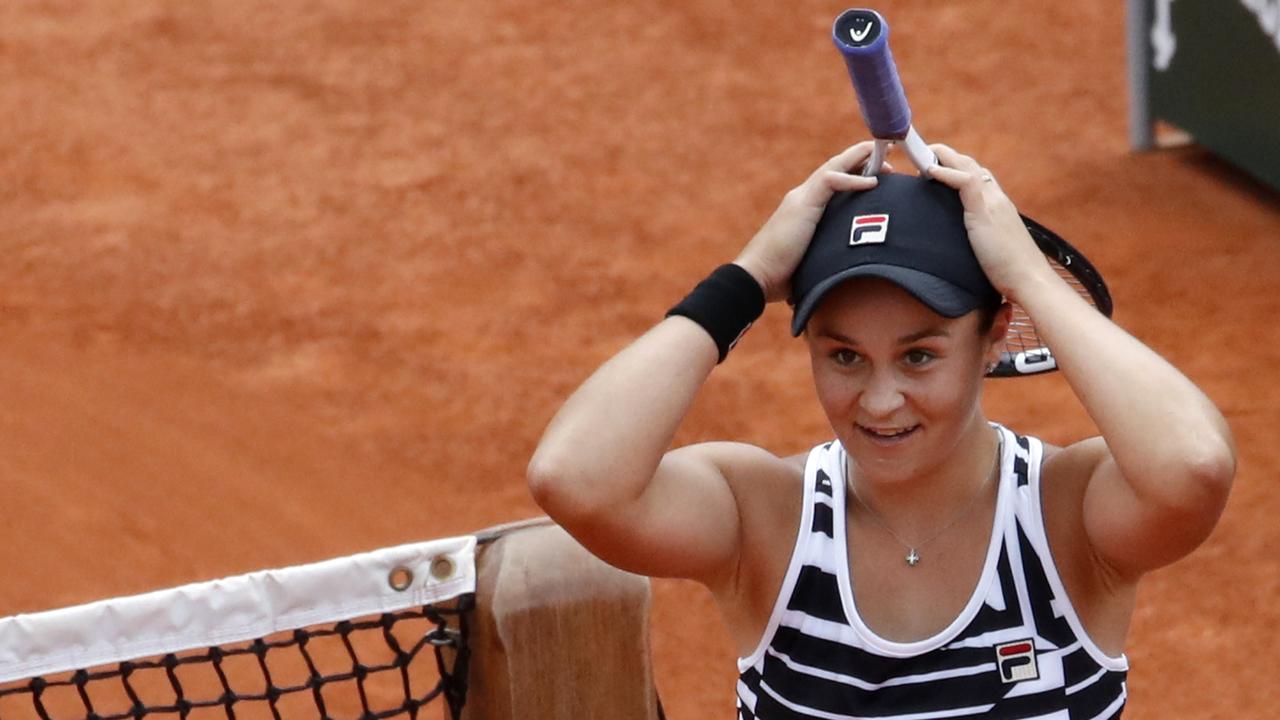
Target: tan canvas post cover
{"points": [[557, 632]]}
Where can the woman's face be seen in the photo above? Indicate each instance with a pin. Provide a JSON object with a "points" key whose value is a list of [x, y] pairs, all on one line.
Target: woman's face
{"points": [[900, 384]]}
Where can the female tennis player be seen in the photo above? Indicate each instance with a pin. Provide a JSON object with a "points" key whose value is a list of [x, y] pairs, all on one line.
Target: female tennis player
{"points": [[925, 563]]}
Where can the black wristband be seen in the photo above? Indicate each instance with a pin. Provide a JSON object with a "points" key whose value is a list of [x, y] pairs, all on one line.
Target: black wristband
{"points": [[725, 305]]}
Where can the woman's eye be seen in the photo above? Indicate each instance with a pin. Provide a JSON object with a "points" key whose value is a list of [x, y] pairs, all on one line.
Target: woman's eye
{"points": [[844, 357], [918, 357]]}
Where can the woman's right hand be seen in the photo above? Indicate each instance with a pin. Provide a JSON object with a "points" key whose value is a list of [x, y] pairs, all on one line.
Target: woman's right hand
{"points": [[775, 251]]}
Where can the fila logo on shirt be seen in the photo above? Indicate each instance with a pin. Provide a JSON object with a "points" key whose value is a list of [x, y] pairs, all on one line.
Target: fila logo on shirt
{"points": [[1017, 661], [868, 229]]}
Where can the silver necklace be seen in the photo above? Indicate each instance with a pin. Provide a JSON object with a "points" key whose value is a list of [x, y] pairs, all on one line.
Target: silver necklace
{"points": [[913, 550]]}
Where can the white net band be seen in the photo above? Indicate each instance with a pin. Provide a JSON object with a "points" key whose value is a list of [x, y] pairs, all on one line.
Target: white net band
{"points": [[236, 609]]}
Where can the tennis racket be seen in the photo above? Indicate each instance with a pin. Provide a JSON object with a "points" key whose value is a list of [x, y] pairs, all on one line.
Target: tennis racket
{"points": [[862, 37]]}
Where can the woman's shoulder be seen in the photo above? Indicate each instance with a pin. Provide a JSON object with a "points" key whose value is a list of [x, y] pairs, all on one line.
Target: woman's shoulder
{"points": [[1071, 464], [749, 465], [768, 487], [1063, 463], [769, 490]]}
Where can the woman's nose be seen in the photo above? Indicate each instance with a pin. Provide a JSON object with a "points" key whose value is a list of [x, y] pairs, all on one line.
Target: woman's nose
{"points": [[882, 395]]}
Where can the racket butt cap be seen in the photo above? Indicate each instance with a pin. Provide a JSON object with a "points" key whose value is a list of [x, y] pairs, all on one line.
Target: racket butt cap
{"points": [[862, 37]]}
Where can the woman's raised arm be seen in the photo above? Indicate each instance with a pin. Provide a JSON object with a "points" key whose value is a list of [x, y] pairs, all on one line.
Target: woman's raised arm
{"points": [[602, 469], [1160, 474]]}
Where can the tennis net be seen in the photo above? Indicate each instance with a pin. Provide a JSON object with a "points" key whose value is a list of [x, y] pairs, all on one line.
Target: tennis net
{"points": [[370, 636]]}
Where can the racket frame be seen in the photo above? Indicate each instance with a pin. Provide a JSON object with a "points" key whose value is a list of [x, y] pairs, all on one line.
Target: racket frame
{"points": [[915, 146]]}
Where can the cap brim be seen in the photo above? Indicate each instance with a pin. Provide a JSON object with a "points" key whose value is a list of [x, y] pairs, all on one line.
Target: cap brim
{"points": [[938, 295]]}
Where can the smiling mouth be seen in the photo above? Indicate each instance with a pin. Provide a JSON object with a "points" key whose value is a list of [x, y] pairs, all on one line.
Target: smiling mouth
{"points": [[887, 435]]}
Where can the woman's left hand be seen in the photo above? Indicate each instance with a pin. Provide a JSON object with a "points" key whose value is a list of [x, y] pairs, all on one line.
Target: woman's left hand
{"points": [[1000, 240]]}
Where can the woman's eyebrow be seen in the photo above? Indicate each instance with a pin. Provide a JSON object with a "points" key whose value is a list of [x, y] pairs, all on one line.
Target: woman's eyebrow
{"points": [[833, 335], [922, 334], [905, 339]]}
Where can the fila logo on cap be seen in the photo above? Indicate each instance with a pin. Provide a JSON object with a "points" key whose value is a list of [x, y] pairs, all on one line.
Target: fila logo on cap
{"points": [[1017, 661], [868, 229]]}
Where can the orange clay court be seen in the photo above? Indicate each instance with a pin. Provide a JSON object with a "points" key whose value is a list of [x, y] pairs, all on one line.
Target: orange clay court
{"points": [[289, 281]]}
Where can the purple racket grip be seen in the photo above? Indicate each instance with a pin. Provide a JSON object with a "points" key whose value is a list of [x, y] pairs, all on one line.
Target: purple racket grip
{"points": [[862, 37]]}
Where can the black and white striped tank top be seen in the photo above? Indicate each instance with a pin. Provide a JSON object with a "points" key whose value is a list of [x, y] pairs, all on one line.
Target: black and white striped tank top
{"points": [[1017, 650]]}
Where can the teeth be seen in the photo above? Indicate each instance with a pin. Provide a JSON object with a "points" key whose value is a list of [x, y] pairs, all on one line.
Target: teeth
{"points": [[888, 433]]}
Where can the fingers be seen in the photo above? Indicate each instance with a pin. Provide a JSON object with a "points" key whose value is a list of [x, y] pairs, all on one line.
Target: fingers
{"points": [[955, 179], [835, 175], [840, 173], [851, 158], [960, 171], [950, 158], [843, 182], [818, 189]]}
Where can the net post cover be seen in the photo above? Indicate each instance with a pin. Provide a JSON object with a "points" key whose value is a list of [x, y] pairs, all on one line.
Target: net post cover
{"points": [[558, 633]]}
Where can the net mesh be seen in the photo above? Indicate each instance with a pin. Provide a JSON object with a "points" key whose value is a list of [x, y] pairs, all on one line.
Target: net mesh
{"points": [[383, 666], [375, 635]]}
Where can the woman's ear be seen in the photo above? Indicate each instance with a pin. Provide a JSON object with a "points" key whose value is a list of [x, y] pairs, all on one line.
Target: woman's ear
{"points": [[996, 336]]}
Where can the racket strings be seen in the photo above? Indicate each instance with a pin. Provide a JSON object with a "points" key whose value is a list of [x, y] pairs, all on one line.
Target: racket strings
{"points": [[1025, 351], [1022, 335]]}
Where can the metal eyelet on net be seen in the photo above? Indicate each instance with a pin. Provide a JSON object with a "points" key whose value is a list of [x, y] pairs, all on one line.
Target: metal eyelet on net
{"points": [[442, 567], [400, 578]]}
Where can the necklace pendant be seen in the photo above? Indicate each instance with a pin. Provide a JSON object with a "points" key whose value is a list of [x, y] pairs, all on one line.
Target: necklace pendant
{"points": [[913, 557]]}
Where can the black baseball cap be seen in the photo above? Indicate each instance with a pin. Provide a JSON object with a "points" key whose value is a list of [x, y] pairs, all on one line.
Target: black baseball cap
{"points": [[908, 230]]}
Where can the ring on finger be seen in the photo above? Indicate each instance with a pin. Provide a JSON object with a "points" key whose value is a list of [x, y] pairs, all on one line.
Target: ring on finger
{"points": [[986, 177]]}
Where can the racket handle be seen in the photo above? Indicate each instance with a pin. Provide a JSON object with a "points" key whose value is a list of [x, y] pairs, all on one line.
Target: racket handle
{"points": [[862, 37]]}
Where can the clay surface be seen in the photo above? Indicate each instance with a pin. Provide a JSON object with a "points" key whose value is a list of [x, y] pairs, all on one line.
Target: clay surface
{"points": [[283, 281]]}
